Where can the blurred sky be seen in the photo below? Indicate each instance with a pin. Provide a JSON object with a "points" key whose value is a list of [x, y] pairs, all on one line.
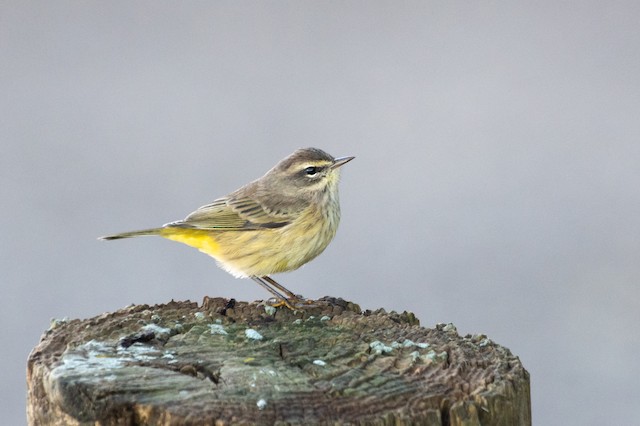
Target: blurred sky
{"points": [[496, 184]]}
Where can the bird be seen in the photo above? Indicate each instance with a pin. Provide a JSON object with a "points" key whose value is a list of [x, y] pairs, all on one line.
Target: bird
{"points": [[276, 223]]}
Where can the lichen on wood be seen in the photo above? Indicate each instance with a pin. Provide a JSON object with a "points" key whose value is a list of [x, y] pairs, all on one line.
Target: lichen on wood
{"points": [[248, 363]]}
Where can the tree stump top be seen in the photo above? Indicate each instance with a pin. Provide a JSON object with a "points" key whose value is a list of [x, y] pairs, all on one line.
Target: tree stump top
{"points": [[247, 363]]}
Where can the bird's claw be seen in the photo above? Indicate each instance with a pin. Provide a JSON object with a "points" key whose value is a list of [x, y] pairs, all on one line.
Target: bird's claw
{"points": [[293, 303]]}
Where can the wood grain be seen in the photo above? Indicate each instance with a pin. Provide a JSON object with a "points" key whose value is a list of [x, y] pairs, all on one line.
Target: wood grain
{"points": [[228, 363]]}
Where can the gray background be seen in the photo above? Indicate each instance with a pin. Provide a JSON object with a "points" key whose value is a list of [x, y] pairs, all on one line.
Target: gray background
{"points": [[496, 184]]}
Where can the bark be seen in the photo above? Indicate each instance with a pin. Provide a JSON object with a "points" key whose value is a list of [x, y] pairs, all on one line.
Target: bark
{"points": [[229, 363]]}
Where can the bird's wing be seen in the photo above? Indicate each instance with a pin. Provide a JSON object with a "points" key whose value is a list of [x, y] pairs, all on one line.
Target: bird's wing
{"points": [[234, 213]]}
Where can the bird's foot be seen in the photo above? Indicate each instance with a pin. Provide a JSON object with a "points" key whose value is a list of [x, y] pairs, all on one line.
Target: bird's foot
{"points": [[293, 303]]}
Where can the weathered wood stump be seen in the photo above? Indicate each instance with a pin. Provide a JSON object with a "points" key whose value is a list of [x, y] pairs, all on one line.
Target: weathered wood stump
{"points": [[246, 363]]}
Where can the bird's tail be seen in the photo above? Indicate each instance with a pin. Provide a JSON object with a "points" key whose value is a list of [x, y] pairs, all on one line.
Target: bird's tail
{"points": [[153, 231]]}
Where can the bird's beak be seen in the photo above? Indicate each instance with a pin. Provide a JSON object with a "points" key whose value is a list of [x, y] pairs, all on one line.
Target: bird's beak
{"points": [[341, 161]]}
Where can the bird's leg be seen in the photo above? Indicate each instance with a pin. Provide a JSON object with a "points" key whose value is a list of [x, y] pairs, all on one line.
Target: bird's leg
{"points": [[261, 281], [283, 299], [294, 299], [280, 287]]}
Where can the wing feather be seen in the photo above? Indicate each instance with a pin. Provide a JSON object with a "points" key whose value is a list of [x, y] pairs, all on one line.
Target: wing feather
{"points": [[233, 213]]}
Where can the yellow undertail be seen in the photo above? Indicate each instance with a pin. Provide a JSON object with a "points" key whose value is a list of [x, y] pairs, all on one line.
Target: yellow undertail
{"points": [[197, 238]]}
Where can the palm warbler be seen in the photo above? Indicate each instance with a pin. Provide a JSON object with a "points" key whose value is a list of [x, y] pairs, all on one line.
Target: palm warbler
{"points": [[276, 223]]}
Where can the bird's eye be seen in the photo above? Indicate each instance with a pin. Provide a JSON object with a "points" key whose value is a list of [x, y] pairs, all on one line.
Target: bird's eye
{"points": [[311, 171]]}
